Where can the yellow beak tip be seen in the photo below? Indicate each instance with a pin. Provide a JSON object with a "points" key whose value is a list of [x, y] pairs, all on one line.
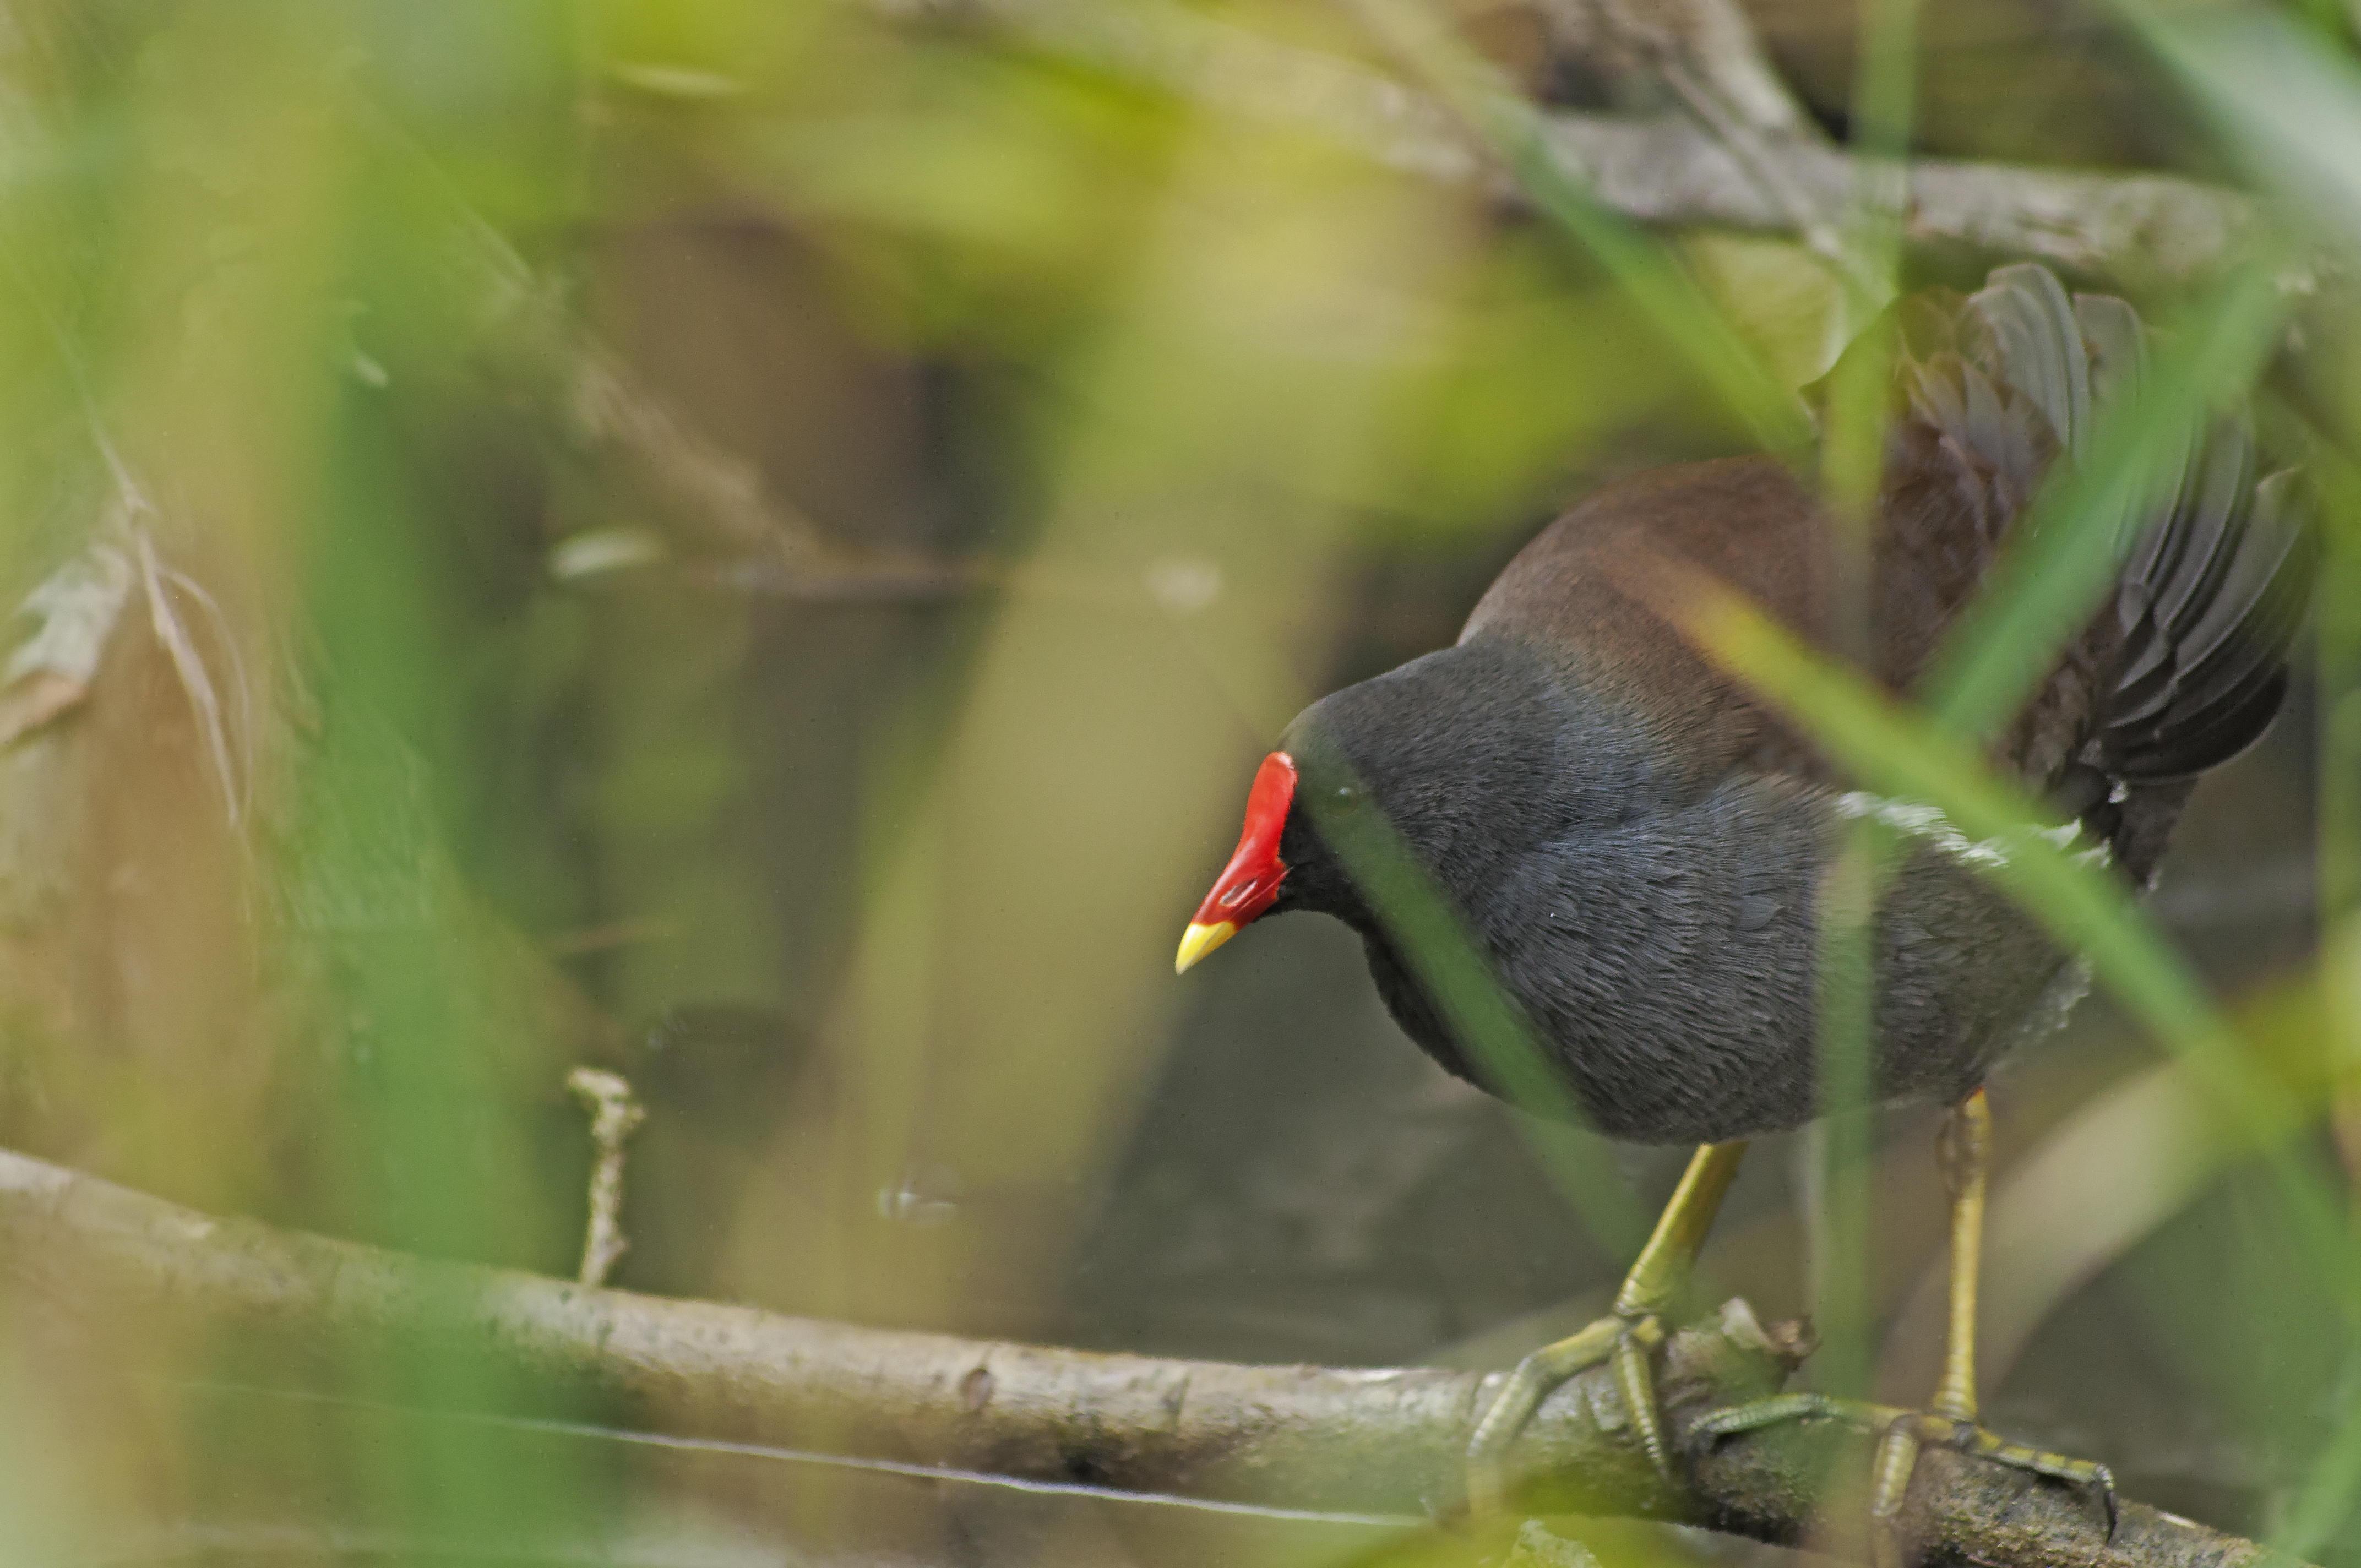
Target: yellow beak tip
{"points": [[1199, 940]]}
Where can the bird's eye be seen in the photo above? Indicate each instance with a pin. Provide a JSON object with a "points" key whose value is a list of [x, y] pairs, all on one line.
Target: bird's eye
{"points": [[1345, 798]]}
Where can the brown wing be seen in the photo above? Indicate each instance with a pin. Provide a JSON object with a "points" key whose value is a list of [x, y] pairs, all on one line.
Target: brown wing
{"points": [[2180, 670], [2184, 666], [1579, 595]]}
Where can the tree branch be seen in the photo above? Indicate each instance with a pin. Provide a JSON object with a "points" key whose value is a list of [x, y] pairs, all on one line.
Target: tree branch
{"points": [[1389, 1440], [2131, 230], [1706, 53]]}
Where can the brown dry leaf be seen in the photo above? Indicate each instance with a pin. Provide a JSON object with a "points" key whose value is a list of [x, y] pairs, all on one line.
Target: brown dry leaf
{"points": [[49, 675], [36, 699]]}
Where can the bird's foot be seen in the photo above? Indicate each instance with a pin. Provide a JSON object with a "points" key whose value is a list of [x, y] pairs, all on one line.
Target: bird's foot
{"points": [[1901, 1434], [1628, 1341], [1628, 1338]]}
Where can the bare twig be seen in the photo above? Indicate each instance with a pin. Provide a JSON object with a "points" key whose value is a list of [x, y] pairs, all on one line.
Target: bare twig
{"points": [[2130, 230], [1370, 1442], [1707, 53], [615, 1114], [1712, 43]]}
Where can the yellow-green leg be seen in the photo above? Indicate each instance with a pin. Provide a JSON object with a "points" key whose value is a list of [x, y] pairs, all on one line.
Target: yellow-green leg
{"points": [[1964, 1153], [1627, 1337]]}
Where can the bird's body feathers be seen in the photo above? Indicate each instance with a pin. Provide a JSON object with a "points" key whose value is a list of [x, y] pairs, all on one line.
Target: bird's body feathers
{"points": [[1639, 843]]}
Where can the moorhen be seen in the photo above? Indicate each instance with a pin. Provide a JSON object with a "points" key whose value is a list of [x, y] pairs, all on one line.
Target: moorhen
{"points": [[1635, 842]]}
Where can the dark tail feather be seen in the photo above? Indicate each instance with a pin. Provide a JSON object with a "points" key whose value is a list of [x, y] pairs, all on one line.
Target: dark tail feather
{"points": [[2035, 346], [1992, 388], [2220, 563], [2211, 679]]}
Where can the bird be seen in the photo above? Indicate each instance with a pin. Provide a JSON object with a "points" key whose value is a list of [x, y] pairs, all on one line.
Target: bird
{"points": [[1636, 843]]}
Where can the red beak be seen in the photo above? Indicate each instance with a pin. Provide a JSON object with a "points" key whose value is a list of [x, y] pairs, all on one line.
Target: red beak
{"points": [[1250, 882]]}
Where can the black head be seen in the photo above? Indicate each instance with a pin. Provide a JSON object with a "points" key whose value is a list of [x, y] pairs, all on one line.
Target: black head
{"points": [[1458, 751]]}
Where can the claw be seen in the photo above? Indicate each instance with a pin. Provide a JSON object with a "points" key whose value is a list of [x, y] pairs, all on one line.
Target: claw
{"points": [[1897, 1458], [1633, 1381], [1901, 1433], [1628, 1338], [1626, 1343], [2081, 1473], [1965, 1155], [1885, 1543]]}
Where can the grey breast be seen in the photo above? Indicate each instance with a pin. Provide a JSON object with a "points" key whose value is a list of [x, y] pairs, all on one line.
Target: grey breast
{"points": [[1671, 962]]}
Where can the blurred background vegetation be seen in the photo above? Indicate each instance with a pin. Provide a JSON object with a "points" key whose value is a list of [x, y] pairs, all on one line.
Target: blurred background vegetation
{"points": [[757, 546]]}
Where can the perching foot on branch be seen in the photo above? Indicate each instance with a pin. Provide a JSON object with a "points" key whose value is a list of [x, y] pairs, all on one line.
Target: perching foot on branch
{"points": [[1901, 1435], [1964, 1153], [1629, 1338]]}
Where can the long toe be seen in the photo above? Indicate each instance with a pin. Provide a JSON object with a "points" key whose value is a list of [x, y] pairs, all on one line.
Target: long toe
{"points": [[1628, 1343], [1901, 1437]]}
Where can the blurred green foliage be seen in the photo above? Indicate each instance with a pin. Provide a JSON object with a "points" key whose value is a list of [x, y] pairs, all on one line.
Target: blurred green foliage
{"points": [[756, 546]]}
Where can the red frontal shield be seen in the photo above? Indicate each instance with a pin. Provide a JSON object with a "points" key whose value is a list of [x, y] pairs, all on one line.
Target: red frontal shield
{"points": [[1250, 882]]}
